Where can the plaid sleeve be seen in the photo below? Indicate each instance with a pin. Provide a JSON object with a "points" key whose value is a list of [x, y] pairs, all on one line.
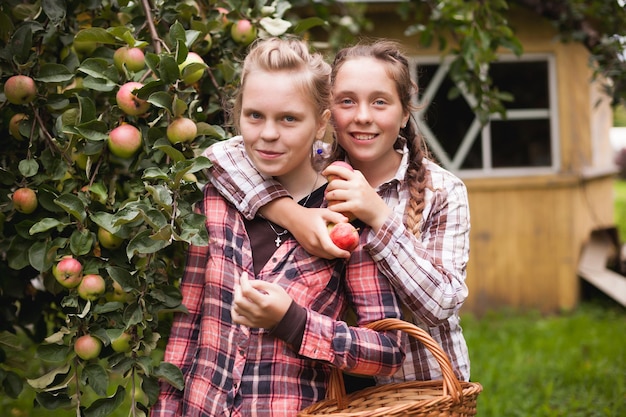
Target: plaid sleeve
{"points": [[236, 178], [357, 349], [429, 271], [184, 334]]}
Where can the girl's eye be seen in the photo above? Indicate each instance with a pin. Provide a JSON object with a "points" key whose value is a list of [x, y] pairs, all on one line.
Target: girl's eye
{"points": [[290, 119], [254, 115], [346, 101], [379, 102]]}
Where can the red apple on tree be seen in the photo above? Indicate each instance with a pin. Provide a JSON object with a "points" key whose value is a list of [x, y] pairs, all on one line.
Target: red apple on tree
{"points": [[243, 32], [133, 58], [20, 89], [124, 141], [344, 235], [25, 200], [87, 347], [129, 102], [330, 178], [91, 287], [182, 129], [68, 272]]}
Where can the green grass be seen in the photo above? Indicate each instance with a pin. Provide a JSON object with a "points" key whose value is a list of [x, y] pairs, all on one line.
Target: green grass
{"points": [[570, 365], [619, 116]]}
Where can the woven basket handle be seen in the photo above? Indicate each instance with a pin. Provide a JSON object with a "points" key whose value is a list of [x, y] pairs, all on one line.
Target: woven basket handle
{"points": [[451, 384]]}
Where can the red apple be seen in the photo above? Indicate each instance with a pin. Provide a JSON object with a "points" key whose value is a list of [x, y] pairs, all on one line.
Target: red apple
{"points": [[192, 75], [344, 235], [108, 240], [129, 102], [243, 32], [182, 129], [91, 287], [124, 141], [123, 343], [329, 178], [20, 89], [87, 347], [133, 58], [25, 200], [14, 125], [68, 272]]}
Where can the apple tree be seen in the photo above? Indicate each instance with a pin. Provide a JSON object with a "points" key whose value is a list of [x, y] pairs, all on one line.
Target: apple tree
{"points": [[106, 107]]}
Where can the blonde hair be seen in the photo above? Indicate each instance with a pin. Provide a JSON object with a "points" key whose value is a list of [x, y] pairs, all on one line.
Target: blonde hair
{"points": [[292, 55], [397, 65]]}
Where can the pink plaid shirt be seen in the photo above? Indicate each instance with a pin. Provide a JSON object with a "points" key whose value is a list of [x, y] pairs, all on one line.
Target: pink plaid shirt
{"points": [[428, 272], [233, 370]]}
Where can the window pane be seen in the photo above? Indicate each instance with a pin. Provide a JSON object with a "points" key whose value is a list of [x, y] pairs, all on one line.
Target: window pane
{"points": [[449, 120], [526, 80], [520, 143]]}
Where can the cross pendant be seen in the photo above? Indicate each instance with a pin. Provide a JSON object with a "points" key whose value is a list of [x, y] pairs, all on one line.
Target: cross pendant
{"points": [[278, 241]]}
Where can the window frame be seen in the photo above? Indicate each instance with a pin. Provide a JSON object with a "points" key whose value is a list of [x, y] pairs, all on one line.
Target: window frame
{"points": [[454, 162]]}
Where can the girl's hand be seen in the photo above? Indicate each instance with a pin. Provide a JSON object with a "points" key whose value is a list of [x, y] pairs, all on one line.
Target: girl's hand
{"points": [[350, 192], [259, 303], [308, 225]]}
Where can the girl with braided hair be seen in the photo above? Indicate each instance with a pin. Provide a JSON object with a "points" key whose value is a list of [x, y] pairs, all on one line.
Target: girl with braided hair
{"points": [[417, 212]]}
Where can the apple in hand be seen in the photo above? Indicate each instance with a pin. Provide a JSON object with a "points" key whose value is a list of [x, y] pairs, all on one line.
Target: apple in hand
{"points": [[68, 272], [124, 141], [182, 129], [129, 102], [330, 178], [243, 32], [87, 347], [344, 236], [91, 287], [20, 89], [25, 200]]}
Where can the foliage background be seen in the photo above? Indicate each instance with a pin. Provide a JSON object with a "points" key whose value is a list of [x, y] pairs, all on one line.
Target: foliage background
{"points": [[146, 200]]}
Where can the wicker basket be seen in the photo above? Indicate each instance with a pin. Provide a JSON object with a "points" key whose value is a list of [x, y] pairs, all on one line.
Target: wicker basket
{"points": [[447, 397]]}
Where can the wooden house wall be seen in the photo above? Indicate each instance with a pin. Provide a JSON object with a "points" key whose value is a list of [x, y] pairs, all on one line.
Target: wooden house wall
{"points": [[527, 231]]}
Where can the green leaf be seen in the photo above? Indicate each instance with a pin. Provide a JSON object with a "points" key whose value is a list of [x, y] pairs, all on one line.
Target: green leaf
{"points": [[12, 384], [170, 373], [211, 130], [308, 23], [45, 380], [96, 67], [165, 146], [93, 130], [122, 276], [46, 224], [37, 255], [53, 352], [28, 167], [55, 10], [154, 173], [95, 34], [142, 244], [72, 205], [54, 73], [177, 32], [98, 84], [21, 43], [53, 401], [87, 109], [168, 70], [133, 315], [161, 99], [102, 407], [97, 378], [81, 242]]}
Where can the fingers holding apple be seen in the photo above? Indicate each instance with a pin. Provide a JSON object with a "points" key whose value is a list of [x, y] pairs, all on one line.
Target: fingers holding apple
{"points": [[330, 176]]}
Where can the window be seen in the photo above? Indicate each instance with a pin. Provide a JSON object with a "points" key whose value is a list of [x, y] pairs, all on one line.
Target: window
{"points": [[525, 142]]}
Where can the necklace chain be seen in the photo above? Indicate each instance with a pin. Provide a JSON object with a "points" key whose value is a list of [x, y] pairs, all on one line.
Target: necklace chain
{"points": [[278, 240]]}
